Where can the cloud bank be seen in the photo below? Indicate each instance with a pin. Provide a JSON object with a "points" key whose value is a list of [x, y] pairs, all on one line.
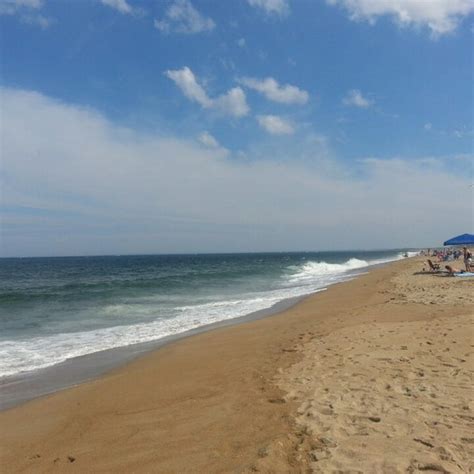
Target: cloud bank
{"points": [[75, 183]]}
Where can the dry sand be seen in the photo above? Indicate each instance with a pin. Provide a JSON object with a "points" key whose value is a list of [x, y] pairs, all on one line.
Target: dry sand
{"points": [[393, 395], [373, 375]]}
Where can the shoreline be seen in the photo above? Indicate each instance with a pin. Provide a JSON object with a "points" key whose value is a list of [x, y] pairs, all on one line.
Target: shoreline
{"points": [[235, 399], [23, 387]]}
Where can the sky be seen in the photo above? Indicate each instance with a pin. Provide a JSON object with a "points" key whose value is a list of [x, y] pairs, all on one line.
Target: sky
{"points": [[183, 126]]}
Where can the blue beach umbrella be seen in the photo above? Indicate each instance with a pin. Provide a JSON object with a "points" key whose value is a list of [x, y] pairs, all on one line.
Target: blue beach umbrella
{"points": [[464, 239]]}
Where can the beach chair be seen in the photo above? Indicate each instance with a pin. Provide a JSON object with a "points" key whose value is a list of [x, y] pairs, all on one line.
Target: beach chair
{"points": [[434, 267]]}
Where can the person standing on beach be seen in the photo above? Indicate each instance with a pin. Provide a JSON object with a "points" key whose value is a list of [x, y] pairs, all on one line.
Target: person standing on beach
{"points": [[467, 258]]}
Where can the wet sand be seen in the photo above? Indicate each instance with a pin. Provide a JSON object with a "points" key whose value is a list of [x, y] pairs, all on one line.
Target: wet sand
{"points": [[372, 375], [18, 389]]}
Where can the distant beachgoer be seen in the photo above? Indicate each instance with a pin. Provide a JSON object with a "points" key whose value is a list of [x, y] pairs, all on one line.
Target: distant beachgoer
{"points": [[467, 258]]}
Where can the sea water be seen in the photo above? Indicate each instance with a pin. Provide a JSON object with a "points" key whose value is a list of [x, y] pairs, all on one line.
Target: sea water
{"points": [[56, 309]]}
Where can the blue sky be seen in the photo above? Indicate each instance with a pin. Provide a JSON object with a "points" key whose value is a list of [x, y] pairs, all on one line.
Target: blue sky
{"points": [[184, 125]]}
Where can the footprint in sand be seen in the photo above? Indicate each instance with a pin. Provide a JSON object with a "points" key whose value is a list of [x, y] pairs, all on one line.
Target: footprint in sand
{"points": [[375, 419]]}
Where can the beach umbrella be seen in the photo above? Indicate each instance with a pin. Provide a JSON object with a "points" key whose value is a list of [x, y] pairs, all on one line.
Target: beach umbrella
{"points": [[464, 239]]}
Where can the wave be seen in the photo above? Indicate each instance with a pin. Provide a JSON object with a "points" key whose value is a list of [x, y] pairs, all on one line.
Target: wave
{"points": [[317, 270], [311, 270], [398, 256], [19, 356], [23, 355]]}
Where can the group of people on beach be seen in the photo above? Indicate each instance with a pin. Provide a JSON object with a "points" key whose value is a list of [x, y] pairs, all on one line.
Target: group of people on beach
{"points": [[443, 255], [468, 263], [448, 255]]}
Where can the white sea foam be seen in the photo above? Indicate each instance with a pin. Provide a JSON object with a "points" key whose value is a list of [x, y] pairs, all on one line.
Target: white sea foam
{"points": [[18, 356], [30, 354], [310, 270], [399, 256]]}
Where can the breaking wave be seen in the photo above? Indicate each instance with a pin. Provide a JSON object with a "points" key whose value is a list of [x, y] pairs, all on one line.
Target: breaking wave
{"points": [[310, 270]]}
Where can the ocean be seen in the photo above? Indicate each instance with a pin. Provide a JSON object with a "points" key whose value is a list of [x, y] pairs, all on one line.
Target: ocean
{"points": [[56, 309]]}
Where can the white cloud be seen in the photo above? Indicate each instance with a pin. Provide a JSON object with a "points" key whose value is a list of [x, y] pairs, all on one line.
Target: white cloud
{"points": [[182, 17], [232, 103], [355, 98], [208, 140], [27, 11], [275, 125], [464, 132], [269, 87], [460, 132], [186, 81], [276, 7], [11, 7], [440, 16], [120, 5], [39, 20], [85, 185], [241, 42]]}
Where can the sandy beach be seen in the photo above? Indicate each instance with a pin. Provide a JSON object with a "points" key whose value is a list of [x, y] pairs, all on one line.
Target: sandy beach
{"points": [[372, 375]]}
